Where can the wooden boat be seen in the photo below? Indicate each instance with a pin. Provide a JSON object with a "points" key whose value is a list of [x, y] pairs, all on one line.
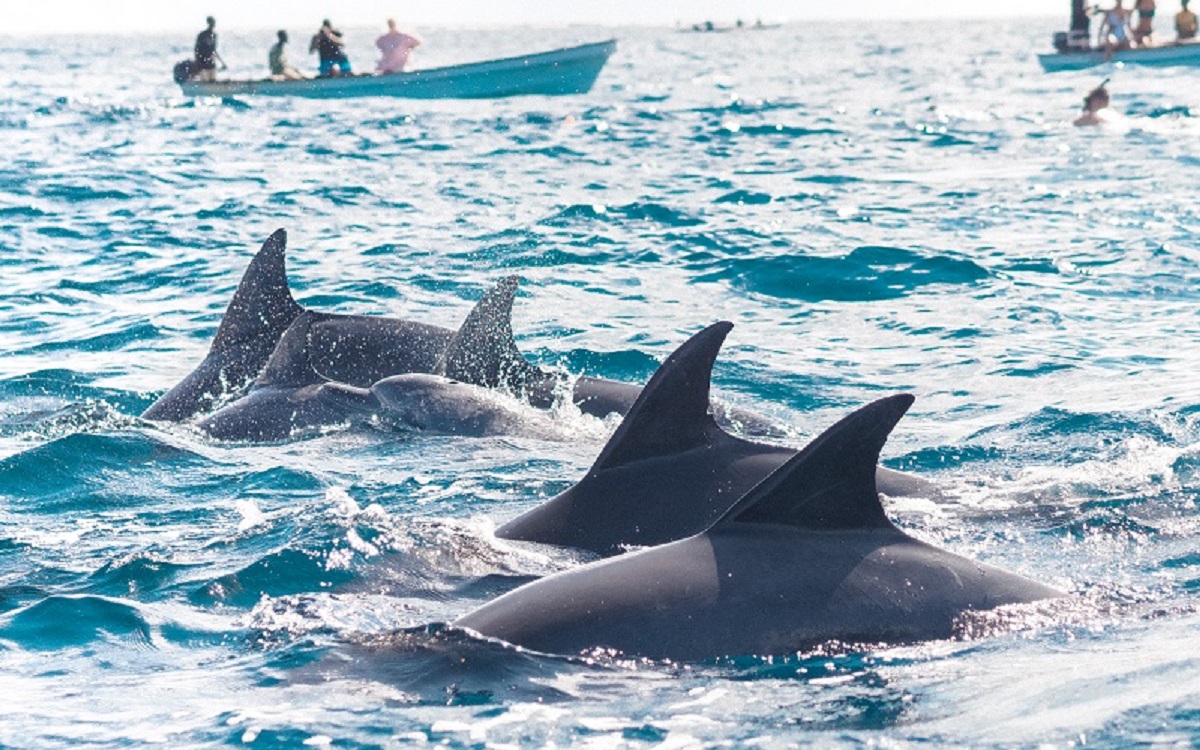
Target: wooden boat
{"points": [[571, 70], [1075, 50]]}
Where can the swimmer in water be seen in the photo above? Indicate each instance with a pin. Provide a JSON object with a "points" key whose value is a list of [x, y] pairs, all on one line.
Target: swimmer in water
{"points": [[1094, 103]]}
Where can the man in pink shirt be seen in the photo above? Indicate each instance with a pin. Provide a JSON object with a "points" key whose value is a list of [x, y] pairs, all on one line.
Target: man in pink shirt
{"points": [[396, 47]]}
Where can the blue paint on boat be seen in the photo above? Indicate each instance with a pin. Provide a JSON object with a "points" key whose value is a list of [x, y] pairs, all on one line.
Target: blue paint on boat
{"points": [[570, 70], [1180, 53]]}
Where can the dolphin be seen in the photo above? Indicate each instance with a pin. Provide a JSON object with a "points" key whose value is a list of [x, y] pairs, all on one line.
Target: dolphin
{"points": [[293, 394], [353, 349], [361, 350], [806, 557], [669, 471]]}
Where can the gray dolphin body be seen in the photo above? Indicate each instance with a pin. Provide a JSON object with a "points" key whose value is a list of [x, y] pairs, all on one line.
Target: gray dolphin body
{"points": [[669, 471], [806, 557], [352, 349], [287, 400], [361, 350], [293, 393]]}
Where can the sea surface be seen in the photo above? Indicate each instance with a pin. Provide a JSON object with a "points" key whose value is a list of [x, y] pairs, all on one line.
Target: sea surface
{"points": [[879, 208]]}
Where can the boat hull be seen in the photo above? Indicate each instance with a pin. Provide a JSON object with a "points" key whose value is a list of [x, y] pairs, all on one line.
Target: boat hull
{"points": [[1184, 53], [572, 70]]}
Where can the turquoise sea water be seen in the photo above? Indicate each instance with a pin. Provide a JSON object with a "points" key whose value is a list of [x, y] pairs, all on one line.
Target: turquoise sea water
{"points": [[875, 214]]}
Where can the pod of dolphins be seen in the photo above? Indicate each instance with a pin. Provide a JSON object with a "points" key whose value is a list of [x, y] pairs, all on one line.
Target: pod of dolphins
{"points": [[743, 547]]}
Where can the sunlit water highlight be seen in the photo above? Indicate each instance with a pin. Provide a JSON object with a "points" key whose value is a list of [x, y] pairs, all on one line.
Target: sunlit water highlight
{"points": [[875, 215]]}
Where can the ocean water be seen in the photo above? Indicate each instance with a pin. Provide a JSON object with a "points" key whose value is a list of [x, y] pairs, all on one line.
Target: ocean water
{"points": [[875, 213]]}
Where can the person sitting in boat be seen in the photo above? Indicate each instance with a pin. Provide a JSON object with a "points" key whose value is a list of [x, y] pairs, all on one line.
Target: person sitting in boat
{"points": [[1185, 23], [204, 68], [1094, 105], [331, 51], [281, 69], [396, 48], [1114, 30], [1145, 24]]}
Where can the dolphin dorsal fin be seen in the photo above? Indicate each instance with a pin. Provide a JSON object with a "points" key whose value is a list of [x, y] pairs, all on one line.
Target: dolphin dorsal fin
{"points": [[262, 303], [291, 361], [671, 413], [482, 351], [831, 483]]}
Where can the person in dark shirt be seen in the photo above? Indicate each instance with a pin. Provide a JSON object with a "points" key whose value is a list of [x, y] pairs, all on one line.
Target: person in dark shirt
{"points": [[205, 66], [331, 51]]}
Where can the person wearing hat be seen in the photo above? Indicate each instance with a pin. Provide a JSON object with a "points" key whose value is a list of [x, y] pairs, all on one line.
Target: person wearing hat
{"points": [[205, 65], [281, 69]]}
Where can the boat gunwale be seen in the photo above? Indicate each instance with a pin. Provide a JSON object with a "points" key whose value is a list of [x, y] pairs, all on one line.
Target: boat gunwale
{"points": [[562, 55]]}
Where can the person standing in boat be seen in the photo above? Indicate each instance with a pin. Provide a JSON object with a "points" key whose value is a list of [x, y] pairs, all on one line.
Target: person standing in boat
{"points": [[1185, 23], [1145, 25], [281, 69], [1114, 30], [396, 47], [205, 65], [331, 51]]}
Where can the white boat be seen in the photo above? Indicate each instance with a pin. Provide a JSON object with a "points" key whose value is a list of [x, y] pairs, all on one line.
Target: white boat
{"points": [[571, 70]]}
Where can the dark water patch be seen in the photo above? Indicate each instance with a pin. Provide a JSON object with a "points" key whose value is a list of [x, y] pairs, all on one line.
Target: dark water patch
{"points": [[34, 418], [521, 249], [943, 140], [281, 573], [101, 342], [228, 210], [554, 152], [1067, 437], [1028, 266], [1037, 369], [73, 193], [630, 365], [651, 212], [787, 131], [65, 384], [440, 666], [140, 577], [59, 622], [61, 233], [271, 482], [83, 471], [947, 457], [19, 595], [372, 290], [866, 274], [343, 195], [744, 197], [238, 105], [22, 212], [829, 179], [553, 257], [702, 246]]}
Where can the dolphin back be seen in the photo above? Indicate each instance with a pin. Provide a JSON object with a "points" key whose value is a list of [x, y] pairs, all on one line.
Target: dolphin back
{"points": [[830, 484], [483, 352], [261, 310]]}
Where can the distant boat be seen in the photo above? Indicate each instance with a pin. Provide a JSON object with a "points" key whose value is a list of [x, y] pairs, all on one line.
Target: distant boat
{"points": [[571, 70], [1075, 50], [708, 27]]}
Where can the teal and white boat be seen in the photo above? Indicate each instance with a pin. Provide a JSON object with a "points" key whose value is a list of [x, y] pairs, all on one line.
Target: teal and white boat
{"points": [[571, 70], [1179, 53], [1075, 50]]}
